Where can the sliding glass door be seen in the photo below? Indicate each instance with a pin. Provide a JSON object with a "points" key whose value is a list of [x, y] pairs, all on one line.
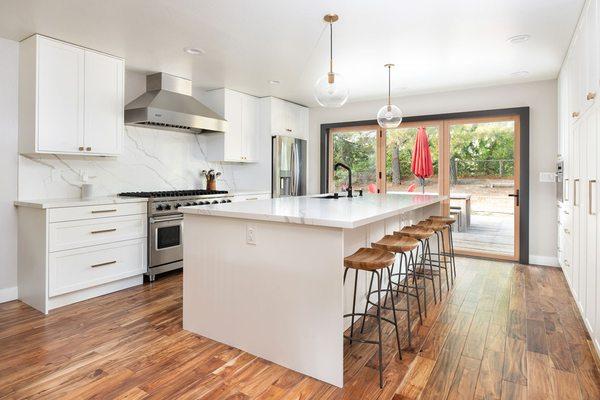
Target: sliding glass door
{"points": [[475, 164]]}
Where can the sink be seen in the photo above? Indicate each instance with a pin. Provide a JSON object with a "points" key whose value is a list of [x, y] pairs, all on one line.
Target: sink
{"points": [[330, 196]]}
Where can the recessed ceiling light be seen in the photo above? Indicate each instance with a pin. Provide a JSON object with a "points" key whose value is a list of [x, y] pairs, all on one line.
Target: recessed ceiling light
{"points": [[518, 39], [194, 50], [520, 74], [274, 82]]}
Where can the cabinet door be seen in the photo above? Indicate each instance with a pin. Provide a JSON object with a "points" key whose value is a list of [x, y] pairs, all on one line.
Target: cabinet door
{"points": [[590, 215], [60, 101], [103, 104], [278, 117], [591, 61], [233, 115], [250, 128], [576, 199]]}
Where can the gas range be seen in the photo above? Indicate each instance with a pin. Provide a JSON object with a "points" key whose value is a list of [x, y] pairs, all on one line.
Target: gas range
{"points": [[165, 224], [168, 202]]}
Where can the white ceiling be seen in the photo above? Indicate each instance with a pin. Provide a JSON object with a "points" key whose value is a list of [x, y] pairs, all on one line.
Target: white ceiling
{"points": [[436, 45]]}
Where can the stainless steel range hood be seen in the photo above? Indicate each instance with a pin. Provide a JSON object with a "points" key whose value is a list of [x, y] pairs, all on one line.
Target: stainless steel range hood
{"points": [[168, 104]]}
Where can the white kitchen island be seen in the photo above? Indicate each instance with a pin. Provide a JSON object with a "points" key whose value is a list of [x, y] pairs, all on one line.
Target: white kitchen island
{"points": [[265, 276]]}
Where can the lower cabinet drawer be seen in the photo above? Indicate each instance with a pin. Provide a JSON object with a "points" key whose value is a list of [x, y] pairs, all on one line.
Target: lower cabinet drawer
{"points": [[90, 232], [97, 211], [77, 269]]}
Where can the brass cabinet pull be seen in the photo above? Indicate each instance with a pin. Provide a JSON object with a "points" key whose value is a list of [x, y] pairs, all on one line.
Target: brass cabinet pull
{"points": [[80, 148], [88, 149], [575, 114], [103, 211], [575, 182], [567, 231], [104, 231], [591, 95], [288, 129], [590, 197], [103, 264]]}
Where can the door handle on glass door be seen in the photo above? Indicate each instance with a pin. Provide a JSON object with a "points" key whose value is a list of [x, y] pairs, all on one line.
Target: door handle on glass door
{"points": [[516, 196]]}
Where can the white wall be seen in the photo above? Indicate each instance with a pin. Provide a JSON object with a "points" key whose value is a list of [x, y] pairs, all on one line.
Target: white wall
{"points": [[541, 97], [9, 73]]}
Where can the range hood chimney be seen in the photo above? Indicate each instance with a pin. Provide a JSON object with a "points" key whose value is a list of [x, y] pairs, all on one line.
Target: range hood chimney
{"points": [[168, 104]]}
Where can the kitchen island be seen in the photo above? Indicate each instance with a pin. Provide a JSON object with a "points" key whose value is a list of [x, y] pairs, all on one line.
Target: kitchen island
{"points": [[265, 276]]}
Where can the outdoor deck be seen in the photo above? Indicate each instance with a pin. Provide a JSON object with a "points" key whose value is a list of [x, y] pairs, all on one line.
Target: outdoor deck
{"points": [[489, 232]]}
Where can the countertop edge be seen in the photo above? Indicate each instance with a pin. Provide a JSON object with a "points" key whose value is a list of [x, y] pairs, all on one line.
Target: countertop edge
{"points": [[314, 222], [63, 203]]}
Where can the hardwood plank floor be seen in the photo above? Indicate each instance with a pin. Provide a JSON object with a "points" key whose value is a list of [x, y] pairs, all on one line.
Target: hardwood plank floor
{"points": [[504, 331]]}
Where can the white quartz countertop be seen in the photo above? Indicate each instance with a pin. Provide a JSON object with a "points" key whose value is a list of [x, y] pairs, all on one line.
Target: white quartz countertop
{"points": [[309, 210], [77, 202]]}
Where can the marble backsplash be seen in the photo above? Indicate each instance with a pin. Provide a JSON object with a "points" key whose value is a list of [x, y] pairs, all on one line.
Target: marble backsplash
{"points": [[151, 160]]}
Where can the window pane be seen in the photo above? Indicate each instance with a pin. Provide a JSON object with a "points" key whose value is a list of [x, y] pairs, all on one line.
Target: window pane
{"points": [[398, 153], [358, 150]]}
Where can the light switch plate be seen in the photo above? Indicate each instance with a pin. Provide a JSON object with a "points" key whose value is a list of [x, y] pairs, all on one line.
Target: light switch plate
{"points": [[547, 177]]}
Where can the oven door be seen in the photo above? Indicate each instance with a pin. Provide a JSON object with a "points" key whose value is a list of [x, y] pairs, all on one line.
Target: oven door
{"points": [[165, 242]]}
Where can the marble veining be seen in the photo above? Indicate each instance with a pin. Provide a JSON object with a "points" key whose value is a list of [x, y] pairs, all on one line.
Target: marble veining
{"points": [[310, 210], [151, 160]]}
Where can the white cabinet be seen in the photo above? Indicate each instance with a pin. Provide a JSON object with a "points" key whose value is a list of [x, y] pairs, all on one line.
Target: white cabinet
{"points": [[69, 254], [251, 196], [285, 118], [239, 143], [70, 99], [579, 147]]}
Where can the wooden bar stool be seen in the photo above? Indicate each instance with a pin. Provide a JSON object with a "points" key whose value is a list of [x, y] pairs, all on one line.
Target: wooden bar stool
{"points": [[439, 256], [401, 245], [374, 261], [422, 234], [450, 222]]}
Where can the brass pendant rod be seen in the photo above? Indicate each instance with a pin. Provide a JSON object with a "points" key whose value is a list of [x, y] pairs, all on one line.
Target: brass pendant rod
{"points": [[389, 85], [330, 47]]}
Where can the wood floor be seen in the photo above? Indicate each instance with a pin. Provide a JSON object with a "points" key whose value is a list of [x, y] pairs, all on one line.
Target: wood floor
{"points": [[503, 332]]}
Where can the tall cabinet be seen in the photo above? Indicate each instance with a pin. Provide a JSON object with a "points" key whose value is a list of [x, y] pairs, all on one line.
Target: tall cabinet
{"points": [[579, 149]]}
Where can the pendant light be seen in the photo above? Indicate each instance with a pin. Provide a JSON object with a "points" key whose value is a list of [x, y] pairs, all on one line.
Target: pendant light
{"points": [[389, 116], [330, 89]]}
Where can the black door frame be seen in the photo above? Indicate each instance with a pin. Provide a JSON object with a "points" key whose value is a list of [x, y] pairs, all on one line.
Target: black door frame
{"points": [[522, 112]]}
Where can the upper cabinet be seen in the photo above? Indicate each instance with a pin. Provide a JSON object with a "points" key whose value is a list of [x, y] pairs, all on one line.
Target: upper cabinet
{"points": [[239, 143], [285, 118], [70, 99]]}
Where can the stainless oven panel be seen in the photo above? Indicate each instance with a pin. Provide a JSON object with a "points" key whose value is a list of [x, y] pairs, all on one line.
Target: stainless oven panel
{"points": [[165, 242]]}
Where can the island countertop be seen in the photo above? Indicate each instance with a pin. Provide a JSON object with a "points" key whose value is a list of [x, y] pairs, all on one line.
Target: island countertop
{"points": [[311, 210]]}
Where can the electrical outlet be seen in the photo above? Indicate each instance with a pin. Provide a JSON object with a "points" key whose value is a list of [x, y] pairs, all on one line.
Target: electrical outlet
{"points": [[250, 235]]}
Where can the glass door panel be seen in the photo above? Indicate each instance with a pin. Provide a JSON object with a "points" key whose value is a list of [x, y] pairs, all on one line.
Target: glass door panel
{"points": [[357, 148], [482, 182], [399, 144]]}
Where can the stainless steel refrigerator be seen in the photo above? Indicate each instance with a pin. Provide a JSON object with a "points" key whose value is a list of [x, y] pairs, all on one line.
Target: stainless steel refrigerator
{"points": [[288, 172]]}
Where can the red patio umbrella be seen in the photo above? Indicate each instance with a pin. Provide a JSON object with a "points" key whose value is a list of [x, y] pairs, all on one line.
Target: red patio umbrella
{"points": [[422, 164]]}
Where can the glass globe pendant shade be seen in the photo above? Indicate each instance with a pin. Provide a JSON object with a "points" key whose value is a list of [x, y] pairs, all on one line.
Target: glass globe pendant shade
{"points": [[331, 90], [389, 116]]}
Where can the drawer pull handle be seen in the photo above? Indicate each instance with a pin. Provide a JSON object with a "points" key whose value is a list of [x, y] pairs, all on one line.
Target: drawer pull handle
{"points": [[88, 149], [104, 231], [288, 129], [591, 96], [103, 211], [80, 148], [103, 264], [567, 231], [575, 114], [591, 197]]}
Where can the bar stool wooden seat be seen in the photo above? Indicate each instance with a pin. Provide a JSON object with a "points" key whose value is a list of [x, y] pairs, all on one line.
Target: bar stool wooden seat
{"points": [[373, 261], [439, 257], [401, 245], [422, 234], [448, 221]]}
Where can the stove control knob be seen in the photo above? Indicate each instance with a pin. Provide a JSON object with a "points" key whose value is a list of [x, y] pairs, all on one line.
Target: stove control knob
{"points": [[215, 202], [223, 201], [188, 204], [228, 200], [159, 207], [177, 205], [204, 202], [167, 207]]}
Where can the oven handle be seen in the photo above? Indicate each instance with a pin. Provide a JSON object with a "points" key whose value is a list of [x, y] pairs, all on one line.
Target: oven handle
{"points": [[165, 219]]}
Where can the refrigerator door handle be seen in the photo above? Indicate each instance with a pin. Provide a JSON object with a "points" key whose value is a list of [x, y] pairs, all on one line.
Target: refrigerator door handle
{"points": [[293, 190]]}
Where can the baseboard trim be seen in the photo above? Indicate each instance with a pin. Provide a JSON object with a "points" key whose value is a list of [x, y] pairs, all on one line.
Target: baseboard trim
{"points": [[9, 294], [543, 260]]}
